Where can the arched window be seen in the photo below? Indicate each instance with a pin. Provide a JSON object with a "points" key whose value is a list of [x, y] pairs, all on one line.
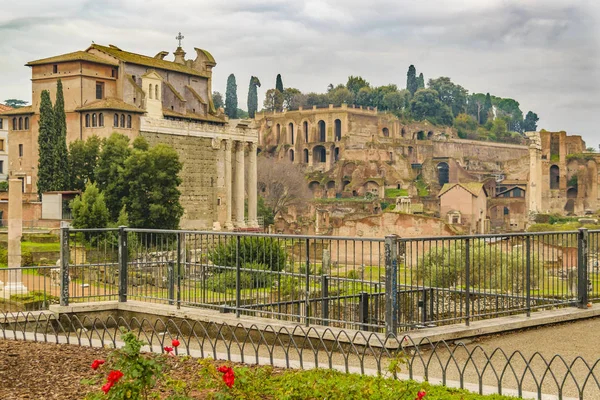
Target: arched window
{"points": [[506, 211], [554, 177], [386, 132], [305, 129], [420, 135], [122, 120], [87, 120], [150, 91], [26, 123], [443, 173], [116, 120], [156, 92], [336, 154], [291, 129], [20, 123], [322, 133], [94, 120], [338, 130], [100, 119], [129, 121], [430, 135], [306, 156], [403, 132], [14, 123], [292, 155], [319, 154]]}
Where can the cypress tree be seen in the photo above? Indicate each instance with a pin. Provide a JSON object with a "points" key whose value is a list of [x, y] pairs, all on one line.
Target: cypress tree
{"points": [[46, 163], [253, 96], [279, 88], [411, 80], [231, 101], [279, 83], [421, 81], [61, 162], [487, 107]]}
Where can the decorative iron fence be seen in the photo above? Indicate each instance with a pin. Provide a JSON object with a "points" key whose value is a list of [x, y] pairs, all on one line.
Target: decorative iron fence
{"points": [[335, 281], [452, 364]]}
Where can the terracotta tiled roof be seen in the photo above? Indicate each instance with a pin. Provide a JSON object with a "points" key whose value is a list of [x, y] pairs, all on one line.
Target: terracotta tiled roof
{"points": [[196, 117], [18, 111], [139, 59], [4, 108], [110, 104], [75, 56], [472, 187]]}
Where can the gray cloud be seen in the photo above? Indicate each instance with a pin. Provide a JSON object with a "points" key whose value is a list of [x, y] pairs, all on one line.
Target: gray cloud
{"points": [[543, 53]]}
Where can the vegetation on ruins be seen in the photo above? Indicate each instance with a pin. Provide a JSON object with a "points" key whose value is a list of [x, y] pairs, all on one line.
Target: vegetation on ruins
{"points": [[231, 99], [138, 185], [53, 166]]}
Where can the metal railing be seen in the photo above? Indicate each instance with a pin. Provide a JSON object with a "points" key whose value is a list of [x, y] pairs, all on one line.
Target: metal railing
{"points": [[473, 367], [383, 285]]}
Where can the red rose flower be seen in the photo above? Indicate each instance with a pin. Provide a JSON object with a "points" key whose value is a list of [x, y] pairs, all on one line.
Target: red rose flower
{"points": [[114, 376], [175, 343], [97, 363], [107, 387], [223, 369], [420, 395], [228, 375], [168, 349]]}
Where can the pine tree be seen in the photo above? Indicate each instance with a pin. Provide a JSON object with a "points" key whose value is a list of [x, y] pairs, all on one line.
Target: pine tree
{"points": [[411, 80], [61, 162], [231, 100], [421, 81], [253, 96], [487, 107], [47, 130]]}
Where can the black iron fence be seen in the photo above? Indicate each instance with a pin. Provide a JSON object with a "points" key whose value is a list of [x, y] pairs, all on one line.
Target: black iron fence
{"points": [[335, 281], [474, 367]]}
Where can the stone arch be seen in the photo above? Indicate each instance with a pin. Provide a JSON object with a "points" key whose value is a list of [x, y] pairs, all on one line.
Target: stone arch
{"points": [[319, 154], [370, 187], [338, 130], [305, 156], [348, 169], [403, 132], [115, 120], [322, 131], [305, 130], [94, 120], [345, 184], [570, 206], [315, 188], [331, 185], [554, 177], [100, 119], [443, 171], [430, 135], [420, 135], [336, 154], [385, 132], [291, 132], [291, 155], [572, 193]]}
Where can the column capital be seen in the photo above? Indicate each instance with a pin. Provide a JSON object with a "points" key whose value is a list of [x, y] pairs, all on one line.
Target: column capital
{"points": [[252, 146], [227, 144]]}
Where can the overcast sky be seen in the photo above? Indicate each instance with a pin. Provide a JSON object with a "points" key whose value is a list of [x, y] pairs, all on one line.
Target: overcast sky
{"points": [[543, 53]]}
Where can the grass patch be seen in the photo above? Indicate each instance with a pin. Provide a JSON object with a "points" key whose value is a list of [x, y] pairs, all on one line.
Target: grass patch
{"points": [[34, 247], [393, 193]]}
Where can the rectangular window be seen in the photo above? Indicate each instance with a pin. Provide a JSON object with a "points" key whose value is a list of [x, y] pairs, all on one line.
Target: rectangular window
{"points": [[22, 184], [99, 90], [113, 73], [20, 150], [1, 123], [55, 69], [1, 166], [1, 144]]}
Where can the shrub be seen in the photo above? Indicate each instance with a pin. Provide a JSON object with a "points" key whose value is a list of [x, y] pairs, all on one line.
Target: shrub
{"points": [[226, 281], [262, 250]]}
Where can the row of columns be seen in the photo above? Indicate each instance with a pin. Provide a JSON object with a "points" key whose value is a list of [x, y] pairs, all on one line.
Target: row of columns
{"points": [[236, 185]]}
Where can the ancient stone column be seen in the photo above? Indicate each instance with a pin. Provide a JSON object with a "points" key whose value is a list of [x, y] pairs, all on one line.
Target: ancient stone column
{"points": [[252, 186], [228, 191], [15, 231], [238, 185]]}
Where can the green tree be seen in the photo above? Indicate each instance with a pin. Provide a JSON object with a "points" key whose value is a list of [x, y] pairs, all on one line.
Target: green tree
{"points": [[273, 98], [152, 178], [340, 95], [364, 97], [412, 83], [110, 172], [293, 98], [15, 103], [253, 96], [487, 109], [218, 100], [263, 250], [355, 83], [231, 100], [421, 81], [475, 106], [510, 108], [499, 129], [279, 99], [61, 161], [279, 83], [395, 101], [83, 160], [530, 122], [46, 143], [427, 105], [89, 209], [451, 94], [466, 126]]}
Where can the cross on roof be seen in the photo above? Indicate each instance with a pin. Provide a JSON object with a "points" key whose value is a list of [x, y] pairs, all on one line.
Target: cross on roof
{"points": [[179, 37]]}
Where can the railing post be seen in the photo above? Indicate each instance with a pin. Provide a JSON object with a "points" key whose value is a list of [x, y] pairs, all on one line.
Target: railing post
{"points": [[391, 284], [528, 275], [64, 264], [238, 266], [123, 259], [325, 299], [180, 238], [582, 268], [363, 307], [171, 282], [468, 281], [307, 284], [424, 309]]}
